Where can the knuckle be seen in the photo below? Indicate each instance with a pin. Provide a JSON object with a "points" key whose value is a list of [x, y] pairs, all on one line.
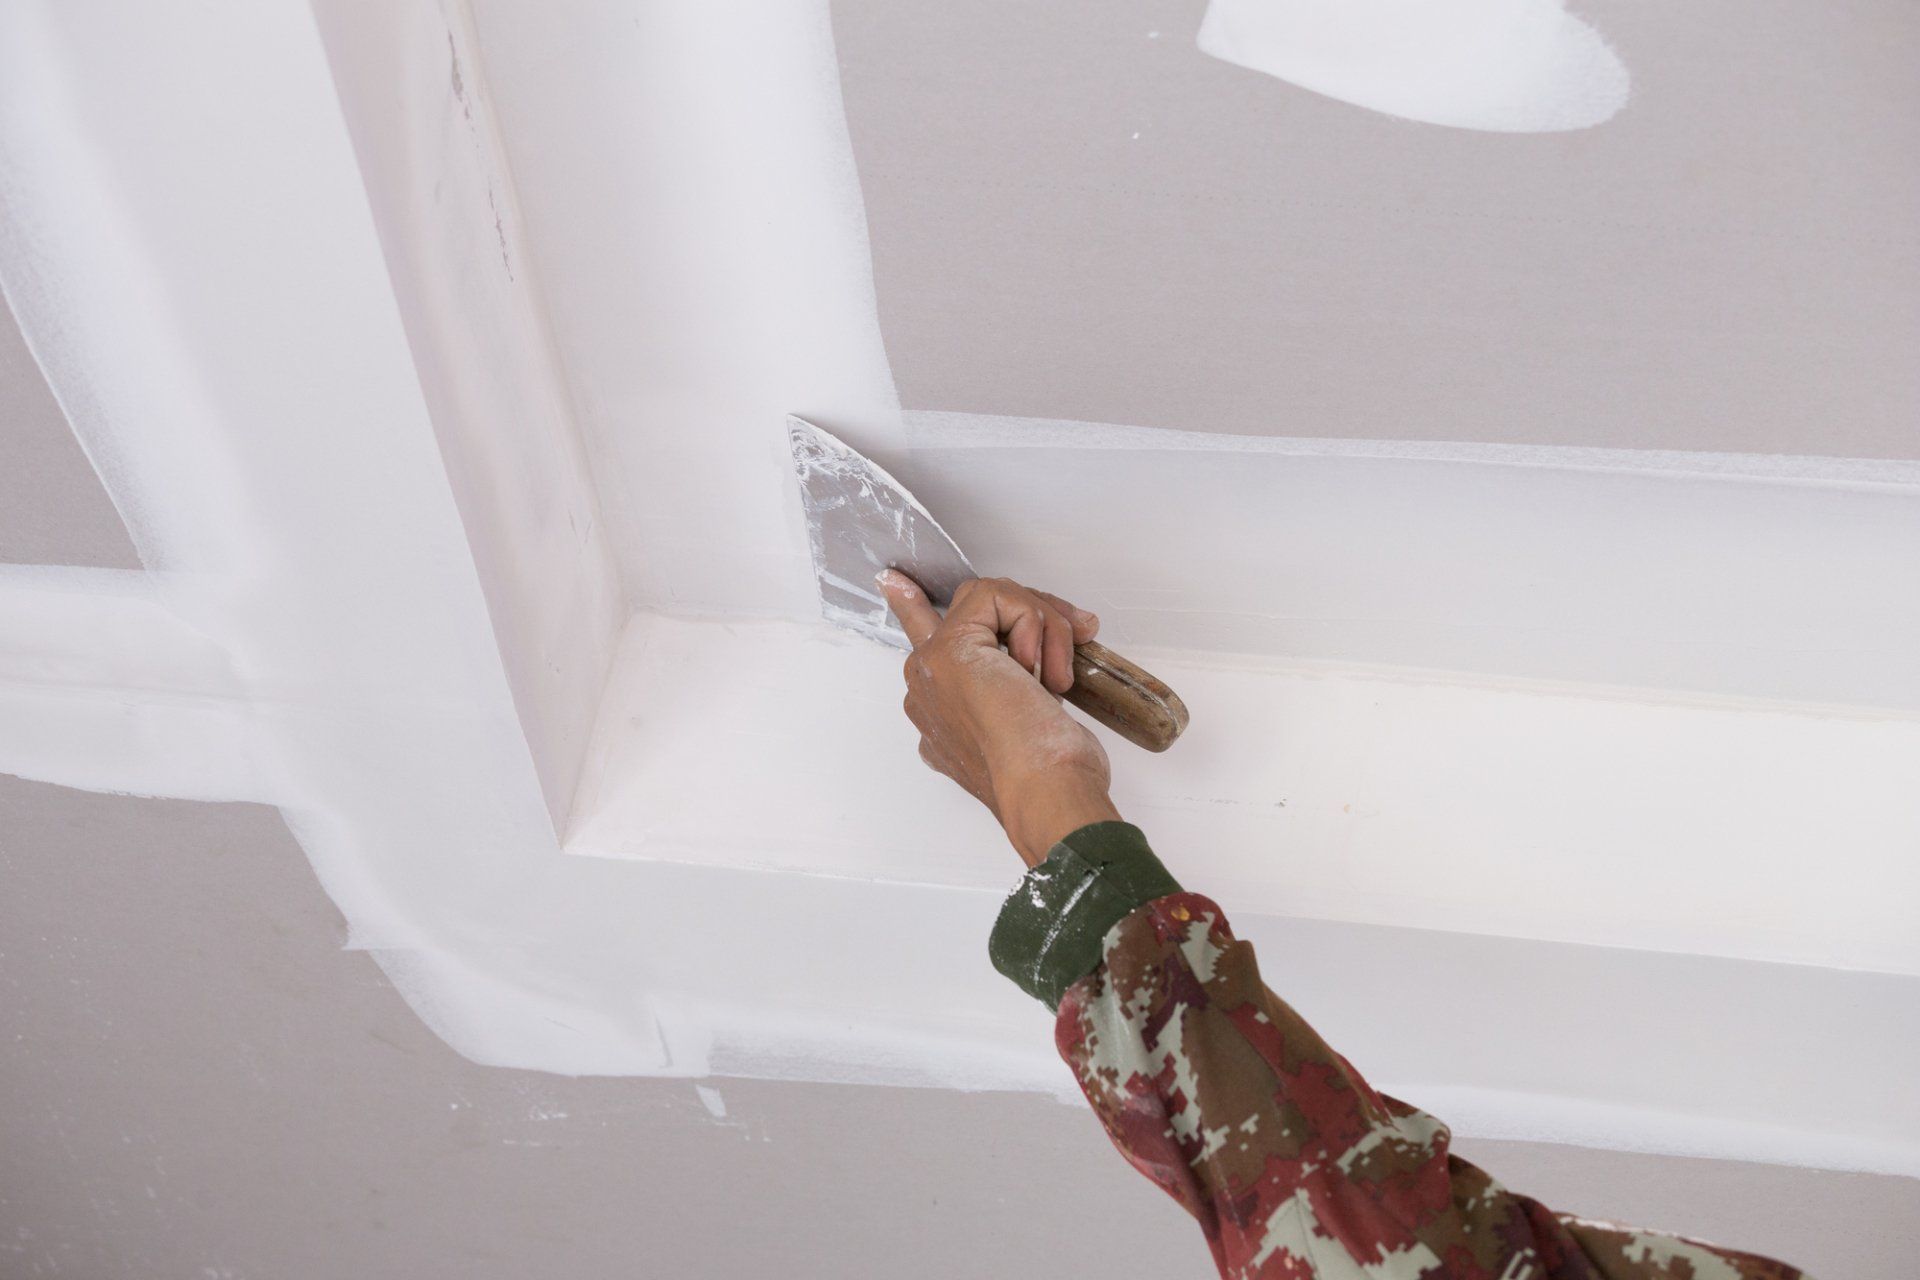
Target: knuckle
{"points": [[964, 659], [917, 715]]}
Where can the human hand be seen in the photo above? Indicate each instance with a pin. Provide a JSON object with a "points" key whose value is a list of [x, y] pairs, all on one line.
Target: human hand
{"points": [[991, 719]]}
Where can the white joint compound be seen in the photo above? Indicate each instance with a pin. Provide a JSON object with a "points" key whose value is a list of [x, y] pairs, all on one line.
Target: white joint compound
{"points": [[1506, 66]]}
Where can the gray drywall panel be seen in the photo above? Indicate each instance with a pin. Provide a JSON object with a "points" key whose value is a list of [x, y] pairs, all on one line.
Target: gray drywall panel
{"points": [[198, 1081], [1076, 214], [53, 509]]}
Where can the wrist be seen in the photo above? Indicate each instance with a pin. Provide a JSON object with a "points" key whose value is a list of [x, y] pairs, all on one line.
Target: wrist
{"points": [[1040, 810]]}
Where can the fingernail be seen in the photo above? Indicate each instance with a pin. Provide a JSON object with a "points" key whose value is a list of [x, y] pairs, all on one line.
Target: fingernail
{"points": [[894, 580]]}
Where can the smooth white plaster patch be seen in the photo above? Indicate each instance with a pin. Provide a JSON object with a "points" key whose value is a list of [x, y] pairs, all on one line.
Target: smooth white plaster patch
{"points": [[689, 186], [1379, 796], [1751, 577], [446, 209], [1506, 66]]}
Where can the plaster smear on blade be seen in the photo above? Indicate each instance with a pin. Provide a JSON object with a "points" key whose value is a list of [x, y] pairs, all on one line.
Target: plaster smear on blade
{"points": [[860, 522], [1505, 66]]}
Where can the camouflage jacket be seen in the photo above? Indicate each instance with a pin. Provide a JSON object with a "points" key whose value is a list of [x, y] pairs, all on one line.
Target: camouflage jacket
{"points": [[1211, 1086]]}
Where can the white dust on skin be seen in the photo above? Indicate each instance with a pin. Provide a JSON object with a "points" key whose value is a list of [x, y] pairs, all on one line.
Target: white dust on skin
{"points": [[1504, 66]]}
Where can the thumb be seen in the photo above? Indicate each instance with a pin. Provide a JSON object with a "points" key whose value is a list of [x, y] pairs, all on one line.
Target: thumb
{"points": [[918, 617]]}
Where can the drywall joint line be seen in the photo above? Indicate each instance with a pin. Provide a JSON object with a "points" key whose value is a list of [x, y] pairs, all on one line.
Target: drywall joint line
{"points": [[935, 430]]}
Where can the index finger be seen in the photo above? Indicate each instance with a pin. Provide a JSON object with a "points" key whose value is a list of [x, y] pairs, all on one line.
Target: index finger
{"points": [[918, 618], [1085, 625]]}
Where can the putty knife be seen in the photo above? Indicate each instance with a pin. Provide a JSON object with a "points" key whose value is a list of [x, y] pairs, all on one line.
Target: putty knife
{"points": [[860, 521]]}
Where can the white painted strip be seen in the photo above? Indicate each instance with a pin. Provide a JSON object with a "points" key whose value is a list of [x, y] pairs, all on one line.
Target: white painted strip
{"points": [[134, 743], [444, 205], [1772, 581], [1498, 1037], [102, 629], [1698, 826], [939, 429], [706, 277]]}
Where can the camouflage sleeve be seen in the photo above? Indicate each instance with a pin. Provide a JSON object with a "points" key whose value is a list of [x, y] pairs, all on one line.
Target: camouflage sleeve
{"points": [[1214, 1088]]}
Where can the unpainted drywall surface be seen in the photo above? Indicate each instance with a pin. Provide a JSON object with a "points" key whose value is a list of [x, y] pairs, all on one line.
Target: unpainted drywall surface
{"points": [[200, 1082], [52, 508], [1853, 1226], [1075, 213]]}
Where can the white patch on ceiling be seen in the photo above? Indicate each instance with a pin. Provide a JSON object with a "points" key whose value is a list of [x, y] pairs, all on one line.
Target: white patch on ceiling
{"points": [[1506, 66]]}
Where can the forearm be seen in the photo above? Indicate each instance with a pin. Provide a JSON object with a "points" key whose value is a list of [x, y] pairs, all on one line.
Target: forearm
{"points": [[1039, 809]]}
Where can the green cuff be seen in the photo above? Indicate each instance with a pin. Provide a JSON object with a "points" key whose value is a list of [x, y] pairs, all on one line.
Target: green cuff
{"points": [[1049, 932]]}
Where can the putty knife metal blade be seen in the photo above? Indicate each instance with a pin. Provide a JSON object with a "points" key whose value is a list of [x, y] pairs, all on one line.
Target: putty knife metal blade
{"points": [[860, 521]]}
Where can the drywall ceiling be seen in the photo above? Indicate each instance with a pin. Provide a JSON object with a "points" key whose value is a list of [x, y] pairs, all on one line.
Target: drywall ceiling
{"points": [[1076, 213], [370, 364], [176, 994]]}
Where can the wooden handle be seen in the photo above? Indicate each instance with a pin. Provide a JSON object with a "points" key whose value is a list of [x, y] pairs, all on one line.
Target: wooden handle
{"points": [[1133, 703]]}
